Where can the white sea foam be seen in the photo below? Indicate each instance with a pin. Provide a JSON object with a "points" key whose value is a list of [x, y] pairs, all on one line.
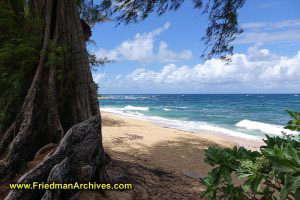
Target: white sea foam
{"points": [[135, 97], [263, 127], [138, 108], [227, 131], [112, 110], [130, 97], [126, 108], [166, 109]]}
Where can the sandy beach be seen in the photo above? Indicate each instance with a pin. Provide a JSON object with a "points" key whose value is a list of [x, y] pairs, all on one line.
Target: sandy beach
{"points": [[168, 150]]}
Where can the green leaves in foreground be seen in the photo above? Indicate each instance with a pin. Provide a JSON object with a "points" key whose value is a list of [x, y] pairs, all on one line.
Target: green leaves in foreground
{"points": [[286, 162], [294, 124], [262, 175]]}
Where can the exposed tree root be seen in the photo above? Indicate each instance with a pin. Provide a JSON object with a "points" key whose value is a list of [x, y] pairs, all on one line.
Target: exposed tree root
{"points": [[77, 159]]}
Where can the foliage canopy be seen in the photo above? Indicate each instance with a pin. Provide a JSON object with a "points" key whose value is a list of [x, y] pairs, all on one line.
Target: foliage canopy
{"points": [[222, 14]]}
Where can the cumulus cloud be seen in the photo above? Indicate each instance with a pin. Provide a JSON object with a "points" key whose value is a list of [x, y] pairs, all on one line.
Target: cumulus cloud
{"points": [[166, 55], [141, 48], [259, 67], [257, 54]]}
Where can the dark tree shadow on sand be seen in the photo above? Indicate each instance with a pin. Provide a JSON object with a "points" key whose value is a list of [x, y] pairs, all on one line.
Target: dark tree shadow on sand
{"points": [[166, 170]]}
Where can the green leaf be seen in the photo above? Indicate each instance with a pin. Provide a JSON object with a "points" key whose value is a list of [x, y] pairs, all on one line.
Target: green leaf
{"points": [[227, 176]]}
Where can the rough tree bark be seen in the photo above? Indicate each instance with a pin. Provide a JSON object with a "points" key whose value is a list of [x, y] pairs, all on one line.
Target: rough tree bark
{"points": [[78, 158], [50, 107]]}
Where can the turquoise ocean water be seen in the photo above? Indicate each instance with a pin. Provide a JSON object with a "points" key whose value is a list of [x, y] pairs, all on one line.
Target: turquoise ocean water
{"points": [[240, 115]]}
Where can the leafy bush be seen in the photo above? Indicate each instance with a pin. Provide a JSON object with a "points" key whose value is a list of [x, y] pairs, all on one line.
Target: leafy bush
{"points": [[268, 174]]}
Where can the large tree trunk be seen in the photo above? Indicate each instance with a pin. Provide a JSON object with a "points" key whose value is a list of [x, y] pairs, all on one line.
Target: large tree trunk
{"points": [[52, 106]]}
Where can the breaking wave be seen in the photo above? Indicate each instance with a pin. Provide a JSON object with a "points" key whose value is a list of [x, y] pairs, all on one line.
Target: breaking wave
{"points": [[263, 127]]}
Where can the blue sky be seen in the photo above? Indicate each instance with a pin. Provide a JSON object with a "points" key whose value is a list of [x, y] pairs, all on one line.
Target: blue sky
{"points": [[162, 54]]}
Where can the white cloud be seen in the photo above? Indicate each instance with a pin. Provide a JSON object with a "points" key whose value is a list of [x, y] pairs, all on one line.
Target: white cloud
{"points": [[286, 31], [111, 55], [141, 48], [272, 25], [257, 68], [98, 77], [166, 55], [268, 37], [256, 54]]}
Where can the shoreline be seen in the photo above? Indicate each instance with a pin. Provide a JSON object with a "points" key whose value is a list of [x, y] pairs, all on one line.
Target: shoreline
{"points": [[248, 143], [150, 145], [164, 160]]}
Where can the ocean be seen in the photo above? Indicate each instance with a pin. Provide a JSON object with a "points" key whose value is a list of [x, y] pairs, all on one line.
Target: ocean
{"points": [[248, 116]]}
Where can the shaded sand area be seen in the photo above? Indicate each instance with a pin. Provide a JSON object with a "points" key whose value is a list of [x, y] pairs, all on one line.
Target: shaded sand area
{"points": [[162, 163]]}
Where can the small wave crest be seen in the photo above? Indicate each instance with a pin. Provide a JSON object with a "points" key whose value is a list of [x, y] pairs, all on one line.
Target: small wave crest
{"points": [[122, 97], [135, 97], [136, 108], [263, 127]]}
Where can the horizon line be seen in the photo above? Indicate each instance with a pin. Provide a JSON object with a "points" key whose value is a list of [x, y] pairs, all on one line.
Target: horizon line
{"points": [[192, 93]]}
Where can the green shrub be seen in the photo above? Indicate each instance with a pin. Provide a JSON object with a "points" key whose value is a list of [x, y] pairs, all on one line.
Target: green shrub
{"points": [[276, 168]]}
